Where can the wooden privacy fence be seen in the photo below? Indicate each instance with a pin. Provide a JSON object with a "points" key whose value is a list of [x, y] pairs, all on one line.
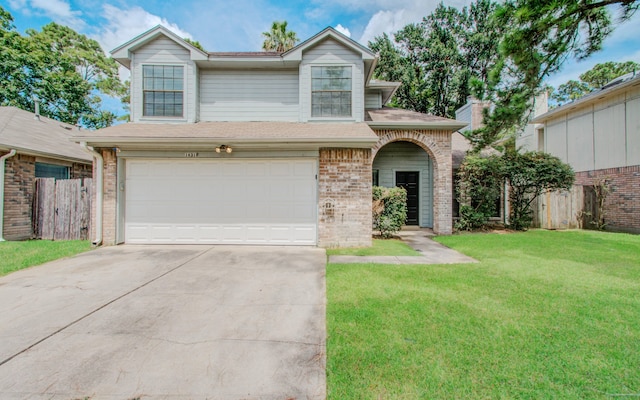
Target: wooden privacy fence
{"points": [[62, 209], [563, 209]]}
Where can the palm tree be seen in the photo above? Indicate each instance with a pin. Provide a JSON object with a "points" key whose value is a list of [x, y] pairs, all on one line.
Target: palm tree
{"points": [[278, 38]]}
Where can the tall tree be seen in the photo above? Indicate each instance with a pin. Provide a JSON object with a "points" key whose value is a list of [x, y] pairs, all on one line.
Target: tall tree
{"points": [[279, 38], [441, 58], [65, 70], [541, 36], [595, 78]]}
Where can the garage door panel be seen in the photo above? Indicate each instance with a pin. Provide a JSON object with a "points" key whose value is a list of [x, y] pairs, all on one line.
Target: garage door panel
{"points": [[221, 201]]}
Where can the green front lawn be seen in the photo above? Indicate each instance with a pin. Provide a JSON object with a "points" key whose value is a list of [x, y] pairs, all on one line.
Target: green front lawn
{"points": [[544, 315], [19, 255], [380, 247]]}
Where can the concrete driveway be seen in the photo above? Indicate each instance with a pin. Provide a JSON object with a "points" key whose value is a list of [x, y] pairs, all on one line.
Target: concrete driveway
{"points": [[166, 322]]}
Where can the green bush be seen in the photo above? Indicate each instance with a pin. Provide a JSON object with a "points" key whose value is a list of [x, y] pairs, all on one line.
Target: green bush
{"points": [[478, 190], [389, 209]]}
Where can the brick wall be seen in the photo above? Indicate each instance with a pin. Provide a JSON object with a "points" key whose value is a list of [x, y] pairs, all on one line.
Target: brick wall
{"points": [[623, 202], [79, 171], [109, 198], [18, 196], [437, 144], [344, 192]]}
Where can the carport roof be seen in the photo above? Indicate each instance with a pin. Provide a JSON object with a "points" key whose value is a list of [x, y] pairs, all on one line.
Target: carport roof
{"points": [[233, 133]]}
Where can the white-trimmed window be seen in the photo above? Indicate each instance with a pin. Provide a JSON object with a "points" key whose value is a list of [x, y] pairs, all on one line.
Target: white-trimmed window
{"points": [[331, 91], [163, 90], [44, 170]]}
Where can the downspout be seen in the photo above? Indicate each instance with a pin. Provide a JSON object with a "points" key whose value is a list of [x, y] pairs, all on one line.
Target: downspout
{"points": [[99, 190], [4, 157]]}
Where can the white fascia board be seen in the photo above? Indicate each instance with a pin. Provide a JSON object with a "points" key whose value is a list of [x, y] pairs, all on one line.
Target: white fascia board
{"points": [[329, 32]]}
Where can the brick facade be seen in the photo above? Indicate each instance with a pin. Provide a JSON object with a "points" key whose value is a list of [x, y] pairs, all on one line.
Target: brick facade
{"points": [[344, 198], [19, 181], [437, 143], [109, 197], [19, 189], [623, 202]]}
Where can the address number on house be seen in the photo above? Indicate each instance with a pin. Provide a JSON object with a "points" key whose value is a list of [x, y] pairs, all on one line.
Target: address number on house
{"points": [[191, 155]]}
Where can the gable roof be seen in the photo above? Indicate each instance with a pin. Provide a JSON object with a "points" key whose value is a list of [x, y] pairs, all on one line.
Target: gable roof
{"points": [[326, 33], [45, 137], [122, 53]]}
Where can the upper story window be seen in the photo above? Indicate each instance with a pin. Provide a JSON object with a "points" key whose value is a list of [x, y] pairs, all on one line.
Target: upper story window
{"points": [[331, 91], [163, 93]]}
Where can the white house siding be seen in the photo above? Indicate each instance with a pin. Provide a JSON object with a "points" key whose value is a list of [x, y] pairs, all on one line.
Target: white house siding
{"points": [[405, 156], [372, 99], [163, 51], [580, 152], [251, 95], [556, 139], [609, 135], [331, 52], [633, 131]]}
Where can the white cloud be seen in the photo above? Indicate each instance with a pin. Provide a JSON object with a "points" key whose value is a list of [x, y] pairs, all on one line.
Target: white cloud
{"points": [[385, 22], [395, 15], [343, 30], [58, 10], [125, 24]]}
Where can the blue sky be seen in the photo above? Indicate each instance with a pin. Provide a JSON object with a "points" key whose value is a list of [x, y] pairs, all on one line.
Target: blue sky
{"points": [[237, 25]]}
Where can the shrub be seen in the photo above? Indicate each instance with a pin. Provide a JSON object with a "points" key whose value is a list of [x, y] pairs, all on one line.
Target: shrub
{"points": [[389, 209], [478, 190]]}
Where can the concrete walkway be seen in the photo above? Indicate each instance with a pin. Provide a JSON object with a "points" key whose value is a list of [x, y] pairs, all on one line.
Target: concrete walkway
{"points": [[420, 240], [166, 322]]}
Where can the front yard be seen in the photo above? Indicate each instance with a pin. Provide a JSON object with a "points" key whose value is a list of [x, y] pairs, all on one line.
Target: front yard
{"points": [[18, 255], [543, 315]]}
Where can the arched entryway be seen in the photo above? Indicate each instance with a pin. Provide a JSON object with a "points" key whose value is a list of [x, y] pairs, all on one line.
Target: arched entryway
{"points": [[436, 144], [407, 165]]}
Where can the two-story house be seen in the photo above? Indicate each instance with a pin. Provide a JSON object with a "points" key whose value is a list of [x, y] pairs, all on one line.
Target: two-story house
{"points": [[262, 147]]}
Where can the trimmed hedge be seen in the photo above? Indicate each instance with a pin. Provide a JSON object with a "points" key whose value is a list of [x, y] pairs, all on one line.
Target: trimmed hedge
{"points": [[389, 209]]}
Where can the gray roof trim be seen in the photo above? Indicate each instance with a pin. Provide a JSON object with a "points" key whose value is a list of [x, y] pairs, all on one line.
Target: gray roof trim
{"points": [[587, 99]]}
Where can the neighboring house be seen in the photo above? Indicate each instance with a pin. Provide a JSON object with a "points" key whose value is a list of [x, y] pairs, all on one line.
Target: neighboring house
{"points": [[32, 146], [263, 147], [599, 136]]}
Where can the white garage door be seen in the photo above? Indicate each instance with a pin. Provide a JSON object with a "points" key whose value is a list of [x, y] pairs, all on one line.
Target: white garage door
{"points": [[221, 201]]}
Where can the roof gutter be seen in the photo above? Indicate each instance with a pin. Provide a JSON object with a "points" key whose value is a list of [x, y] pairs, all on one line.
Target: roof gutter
{"points": [[2, 159], [99, 191]]}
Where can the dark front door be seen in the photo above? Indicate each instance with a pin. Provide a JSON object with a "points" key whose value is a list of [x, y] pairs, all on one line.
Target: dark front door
{"points": [[409, 181]]}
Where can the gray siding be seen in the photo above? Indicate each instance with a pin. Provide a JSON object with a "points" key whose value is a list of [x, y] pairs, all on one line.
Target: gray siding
{"points": [[167, 52], [372, 99], [331, 52], [464, 114], [598, 136], [404, 156], [251, 95]]}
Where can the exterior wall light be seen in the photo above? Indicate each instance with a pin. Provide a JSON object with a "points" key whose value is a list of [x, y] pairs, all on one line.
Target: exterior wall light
{"points": [[224, 149]]}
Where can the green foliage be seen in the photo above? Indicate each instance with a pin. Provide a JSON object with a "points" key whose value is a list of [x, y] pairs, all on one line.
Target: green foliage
{"points": [[439, 59], [279, 38], [479, 187], [389, 209], [595, 78], [65, 70], [529, 175], [539, 38], [195, 44]]}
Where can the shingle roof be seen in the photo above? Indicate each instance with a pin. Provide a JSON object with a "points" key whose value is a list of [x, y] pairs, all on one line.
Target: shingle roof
{"points": [[20, 130], [390, 116], [234, 132]]}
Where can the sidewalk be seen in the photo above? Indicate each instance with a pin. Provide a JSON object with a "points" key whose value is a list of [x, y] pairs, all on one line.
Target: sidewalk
{"points": [[420, 240]]}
